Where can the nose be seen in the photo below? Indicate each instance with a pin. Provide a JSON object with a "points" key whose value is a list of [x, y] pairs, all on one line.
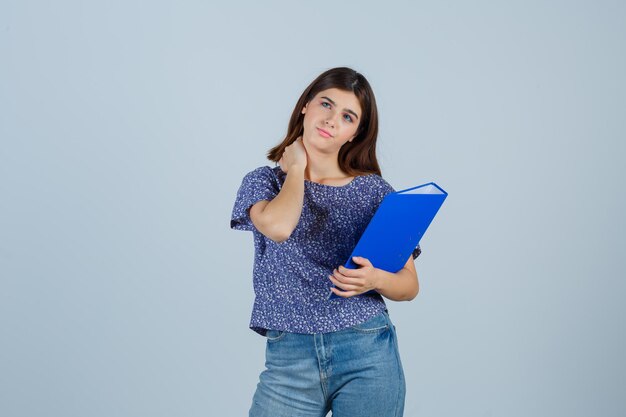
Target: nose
{"points": [[330, 121]]}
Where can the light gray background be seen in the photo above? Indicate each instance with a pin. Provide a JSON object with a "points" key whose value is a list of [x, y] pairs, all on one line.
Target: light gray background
{"points": [[127, 126]]}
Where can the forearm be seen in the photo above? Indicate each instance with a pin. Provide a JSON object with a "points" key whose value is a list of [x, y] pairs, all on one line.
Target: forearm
{"points": [[399, 286], [282, 214]]}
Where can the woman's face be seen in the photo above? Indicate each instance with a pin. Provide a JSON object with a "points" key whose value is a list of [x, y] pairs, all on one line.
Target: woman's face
{"points": [[331, 119]]}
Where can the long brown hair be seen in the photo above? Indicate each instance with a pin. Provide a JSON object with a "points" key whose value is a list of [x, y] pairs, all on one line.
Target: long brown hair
{"points": [[357, 157]]}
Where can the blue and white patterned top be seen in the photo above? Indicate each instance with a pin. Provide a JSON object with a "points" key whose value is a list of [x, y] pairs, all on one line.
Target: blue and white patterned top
{"points": [[291, 283]]}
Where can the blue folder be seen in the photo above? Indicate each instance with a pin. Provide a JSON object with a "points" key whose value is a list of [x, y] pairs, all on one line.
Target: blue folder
{"points": [[397, 227]]}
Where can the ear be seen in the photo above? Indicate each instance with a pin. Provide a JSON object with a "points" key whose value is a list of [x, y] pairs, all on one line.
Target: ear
{"points": [[304, 108]]}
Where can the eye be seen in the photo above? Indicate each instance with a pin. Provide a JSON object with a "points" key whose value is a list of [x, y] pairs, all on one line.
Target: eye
{"points": [[349, 118], [324, 102]]}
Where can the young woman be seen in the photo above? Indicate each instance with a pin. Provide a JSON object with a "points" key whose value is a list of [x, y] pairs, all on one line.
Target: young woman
{"points": [[307, 214]]}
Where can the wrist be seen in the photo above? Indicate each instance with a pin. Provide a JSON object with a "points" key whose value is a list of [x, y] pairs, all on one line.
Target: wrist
{"points": [[297, 168], [379, 279]]}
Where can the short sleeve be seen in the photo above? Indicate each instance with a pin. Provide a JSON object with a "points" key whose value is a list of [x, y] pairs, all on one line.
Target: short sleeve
{"points": [[260, 184], [416, 252], [385, 188]]}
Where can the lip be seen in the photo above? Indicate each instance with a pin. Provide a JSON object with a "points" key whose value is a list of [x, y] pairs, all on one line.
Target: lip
{"points": [[324, 133]]}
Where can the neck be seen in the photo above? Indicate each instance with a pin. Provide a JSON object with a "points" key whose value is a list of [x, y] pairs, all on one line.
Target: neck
{"points": [[322, 167]]}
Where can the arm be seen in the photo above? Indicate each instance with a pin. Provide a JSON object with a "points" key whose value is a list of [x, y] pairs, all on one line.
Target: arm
{"points": [[400, 286], [278, 218]]}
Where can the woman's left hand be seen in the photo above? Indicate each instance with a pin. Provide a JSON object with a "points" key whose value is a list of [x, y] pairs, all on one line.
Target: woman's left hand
{"points": [[355, 281]]}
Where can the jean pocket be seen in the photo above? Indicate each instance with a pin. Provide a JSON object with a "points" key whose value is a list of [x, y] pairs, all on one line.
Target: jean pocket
{"points": [[275, 335], [378, 323]]}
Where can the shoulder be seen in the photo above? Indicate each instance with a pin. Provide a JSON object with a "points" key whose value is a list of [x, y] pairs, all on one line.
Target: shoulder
{"points": [[264, 173], [263, 180], [378, 184]]}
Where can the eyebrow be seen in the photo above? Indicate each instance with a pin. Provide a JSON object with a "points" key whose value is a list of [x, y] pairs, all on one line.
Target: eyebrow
{"points": [[334, 104]]}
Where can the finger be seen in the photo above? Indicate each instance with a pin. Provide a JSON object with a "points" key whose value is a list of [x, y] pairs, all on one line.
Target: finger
{"points": [[343, 285], [349, 272], [361, 261], [355, 278], [344, 294], [346, 279], [339, 293]]}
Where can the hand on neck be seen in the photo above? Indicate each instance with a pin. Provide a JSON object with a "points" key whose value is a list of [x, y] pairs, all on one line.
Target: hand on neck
{"points": [[323, 167]]}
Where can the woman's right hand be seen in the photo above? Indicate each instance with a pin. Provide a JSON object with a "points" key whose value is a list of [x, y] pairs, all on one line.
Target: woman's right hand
{"points": [[294, 156]]}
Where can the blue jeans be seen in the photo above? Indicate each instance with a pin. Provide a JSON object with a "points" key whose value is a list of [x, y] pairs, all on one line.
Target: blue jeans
{"points": [[355, 372]]}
